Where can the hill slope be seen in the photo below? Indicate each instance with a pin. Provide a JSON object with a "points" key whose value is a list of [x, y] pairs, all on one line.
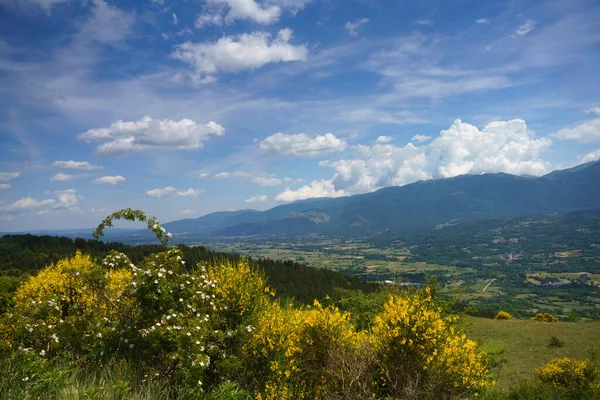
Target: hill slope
{"points": [[413, 207]]}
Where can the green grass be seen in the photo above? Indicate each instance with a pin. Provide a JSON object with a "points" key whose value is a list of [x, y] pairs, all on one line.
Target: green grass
{"points": [[524, 344]]}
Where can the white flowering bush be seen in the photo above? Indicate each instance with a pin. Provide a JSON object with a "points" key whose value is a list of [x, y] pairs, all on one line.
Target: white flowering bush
{"points": [[158, 312]]}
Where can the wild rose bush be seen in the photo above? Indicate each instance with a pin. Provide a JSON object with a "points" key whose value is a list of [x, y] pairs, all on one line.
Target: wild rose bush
{"points": [[202, 326]]}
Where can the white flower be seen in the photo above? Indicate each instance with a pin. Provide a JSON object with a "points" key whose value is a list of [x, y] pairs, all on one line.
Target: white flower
{"points": [[170, 234], [43, 353], [162, 229], [155, 226]]}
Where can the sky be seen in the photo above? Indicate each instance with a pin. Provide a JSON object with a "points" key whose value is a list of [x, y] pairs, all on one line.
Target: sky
{"points": [[182, 108]]}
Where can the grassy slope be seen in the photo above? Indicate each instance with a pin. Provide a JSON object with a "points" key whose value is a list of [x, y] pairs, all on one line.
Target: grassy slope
{"points": [[524, 343]]}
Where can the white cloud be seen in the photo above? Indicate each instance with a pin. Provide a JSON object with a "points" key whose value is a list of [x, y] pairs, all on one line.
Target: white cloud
{"points": [[165, 36], [369, 115], [188, 211], [420, 138], [190, 193], [66, 198], [204, 175], [66, 201], [501, 146], [61, 177], [353, 26], [259, 178], [175, 19], [112, 180], [461, 149], [158, 193], [425, 22], [593, 156], [302, 145], [482, 21], [148, 133], [384, 139], [82, 165], [26, 203], [316, 189], [171, 191], [585, 132], [593, 110], [5, 186], [413, 68], [208, 19], [238, 53], [256, 199], [525, 28], [107, 24], [7, 176]]}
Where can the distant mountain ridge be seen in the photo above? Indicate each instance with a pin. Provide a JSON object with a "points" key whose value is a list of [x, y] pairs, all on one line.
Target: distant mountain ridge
{"points": [[412, 207]]}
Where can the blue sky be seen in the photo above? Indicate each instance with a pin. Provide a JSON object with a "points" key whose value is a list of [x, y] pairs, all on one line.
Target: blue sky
{"points": [[182, 108]]}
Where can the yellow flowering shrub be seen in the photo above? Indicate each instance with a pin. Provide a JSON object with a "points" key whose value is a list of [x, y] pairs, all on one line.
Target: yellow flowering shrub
{"points": [[568, 373], [72, 305], [544, 317], [503, 315], [421, 354], [308, 353]]}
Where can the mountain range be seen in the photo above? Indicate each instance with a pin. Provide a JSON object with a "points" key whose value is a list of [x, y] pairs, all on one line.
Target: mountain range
{"points": [[417, 206]]}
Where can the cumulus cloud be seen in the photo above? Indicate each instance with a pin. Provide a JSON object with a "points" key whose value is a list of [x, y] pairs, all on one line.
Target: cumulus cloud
{"points": [[65, 201], [158, 193], [61, 177], [7, 176], [26, 203], [353, 26], [82, 165], [525, 28], [316, 189], [302, 145], [256, 199], [130, 136], [260, 178], [5, 186], [238, 53], [482, 21], [112, 180], [420, 138], [593, 156], [190, 193], [502, 146], [586, 132], [171, 191]]}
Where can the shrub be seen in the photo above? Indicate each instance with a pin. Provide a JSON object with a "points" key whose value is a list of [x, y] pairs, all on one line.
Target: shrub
{"points": [[422, 355], [503, 315], [544, 317], [568, 373], [555, 342]]}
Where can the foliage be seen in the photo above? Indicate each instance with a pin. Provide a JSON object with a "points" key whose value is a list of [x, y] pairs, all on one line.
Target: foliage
{"points": [[544, 317], [503, 315], [215, 330], [555, 342], [568, 373], [436, 359]]}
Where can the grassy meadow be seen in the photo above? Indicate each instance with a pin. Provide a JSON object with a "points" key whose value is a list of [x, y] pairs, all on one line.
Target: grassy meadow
{"points": [[524, 344]]}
